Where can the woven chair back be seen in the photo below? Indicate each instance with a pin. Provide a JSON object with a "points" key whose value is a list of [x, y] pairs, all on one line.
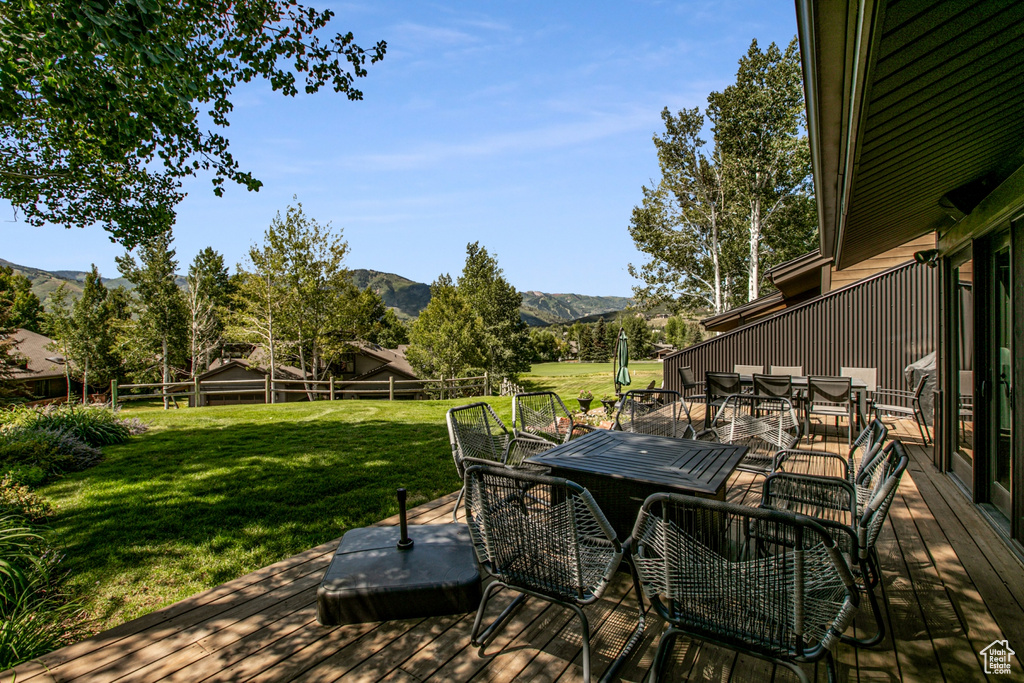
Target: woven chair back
{"points": [[540, 533], [722, 384], [542, 414], [475, 431], [654, 411], [885, 475], [764, 424], [865, 449], [785, 593], [779, 386]]}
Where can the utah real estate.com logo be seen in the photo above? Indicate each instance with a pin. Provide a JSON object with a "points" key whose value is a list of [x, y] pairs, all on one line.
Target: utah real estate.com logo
{"points": [[997, 657]]}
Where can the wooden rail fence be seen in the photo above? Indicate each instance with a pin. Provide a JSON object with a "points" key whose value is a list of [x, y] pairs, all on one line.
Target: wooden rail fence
{"points": [[331, 388]]}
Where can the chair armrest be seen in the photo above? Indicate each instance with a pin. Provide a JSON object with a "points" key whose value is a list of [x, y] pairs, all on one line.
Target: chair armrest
{"points": [[520, 448], [816, 463], [812, 496], [894, 393], [581, 427]]}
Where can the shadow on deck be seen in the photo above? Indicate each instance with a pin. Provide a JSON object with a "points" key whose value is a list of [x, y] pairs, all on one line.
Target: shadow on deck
{"points": [[951, 586]]}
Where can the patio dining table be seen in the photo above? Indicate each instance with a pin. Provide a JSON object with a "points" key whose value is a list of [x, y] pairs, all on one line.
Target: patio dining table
{"points": [[620, 469]]}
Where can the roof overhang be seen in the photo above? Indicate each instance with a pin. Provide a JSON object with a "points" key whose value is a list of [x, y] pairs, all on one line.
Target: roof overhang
{"points": [[915, 112]]}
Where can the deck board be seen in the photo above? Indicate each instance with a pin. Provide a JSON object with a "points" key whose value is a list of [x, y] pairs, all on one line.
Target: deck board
{"points": [[950, 588]]}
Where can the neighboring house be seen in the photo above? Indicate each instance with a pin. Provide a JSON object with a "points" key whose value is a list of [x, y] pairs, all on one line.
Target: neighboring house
{"points": [[661, 351], [372, 363], [41, 371], [253, 390]]}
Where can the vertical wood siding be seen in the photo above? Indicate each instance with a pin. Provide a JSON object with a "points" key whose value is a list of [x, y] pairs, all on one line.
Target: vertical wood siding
{"points": [[886, 322]]}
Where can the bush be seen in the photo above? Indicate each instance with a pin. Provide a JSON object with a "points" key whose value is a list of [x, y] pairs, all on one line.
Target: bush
{"points": [[17, 498], [94, 426], [36, 614], [54, 452]]}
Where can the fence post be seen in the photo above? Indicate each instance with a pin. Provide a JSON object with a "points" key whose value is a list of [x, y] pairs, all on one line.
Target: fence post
{"points": [[391, 388], [197, 394], [113, 394], [267, 396], [487, 384], [442, 387], [331, 397]]}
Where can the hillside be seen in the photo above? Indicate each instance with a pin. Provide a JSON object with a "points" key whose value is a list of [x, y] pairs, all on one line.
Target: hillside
{"points": [[407, 297]]}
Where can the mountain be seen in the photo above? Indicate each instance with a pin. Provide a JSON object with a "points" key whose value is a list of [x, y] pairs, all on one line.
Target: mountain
{"points": [[407, 297]]}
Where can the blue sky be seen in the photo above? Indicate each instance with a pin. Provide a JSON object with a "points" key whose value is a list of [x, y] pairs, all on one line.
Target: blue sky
{"points": [[524, 125]]}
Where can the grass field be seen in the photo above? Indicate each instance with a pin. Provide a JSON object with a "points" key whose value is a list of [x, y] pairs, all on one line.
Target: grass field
{"points": [[209, 494]]}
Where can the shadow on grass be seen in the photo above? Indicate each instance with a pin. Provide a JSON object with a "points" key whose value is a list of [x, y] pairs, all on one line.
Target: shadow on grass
{"points": [[184, 507]]}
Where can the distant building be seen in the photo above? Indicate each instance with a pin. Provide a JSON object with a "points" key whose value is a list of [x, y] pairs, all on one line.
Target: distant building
{"points": [[41, 371]]}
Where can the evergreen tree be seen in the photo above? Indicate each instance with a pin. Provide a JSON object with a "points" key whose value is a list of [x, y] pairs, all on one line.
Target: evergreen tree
{"points": [[92, 335], [506, 338], [586, 342], [445, 339], [23, 307], [207, 296], [639, 336], [59, 326], [602, 352], [160, 329], [9, 358]]}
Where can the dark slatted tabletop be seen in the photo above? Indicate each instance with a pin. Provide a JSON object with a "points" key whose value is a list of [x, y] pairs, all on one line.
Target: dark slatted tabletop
{"points": [[679, 465]]}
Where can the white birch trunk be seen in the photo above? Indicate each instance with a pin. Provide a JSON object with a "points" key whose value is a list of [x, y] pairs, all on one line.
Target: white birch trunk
{"points": [[755, 249]]}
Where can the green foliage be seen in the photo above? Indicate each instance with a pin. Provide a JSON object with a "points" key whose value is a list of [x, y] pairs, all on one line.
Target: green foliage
{"points": [[505, 340], [207, 297], [639, 335], [602, 350], [88, 334], [545, 346], [25, 309], [446, 338], [103, 106], [25, 451], [17, 498], [36, 614], [92, 425]]}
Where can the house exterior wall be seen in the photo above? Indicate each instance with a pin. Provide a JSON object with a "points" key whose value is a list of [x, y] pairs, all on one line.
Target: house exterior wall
{"points": [[379, 389], [877, 264], [885, 322]]}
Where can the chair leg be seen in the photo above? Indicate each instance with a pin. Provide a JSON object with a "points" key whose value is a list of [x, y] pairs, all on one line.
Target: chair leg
{"points": [[921, 426], [668, 639], [481, 639], [458, 501], [876, 609]]}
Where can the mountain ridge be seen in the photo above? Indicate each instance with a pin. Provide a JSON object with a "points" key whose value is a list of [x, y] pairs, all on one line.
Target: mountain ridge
{"points": [[407, 297]]}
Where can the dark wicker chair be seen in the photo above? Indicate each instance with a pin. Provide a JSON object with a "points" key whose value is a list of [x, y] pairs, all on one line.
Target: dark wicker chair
{"points": [[853, 514], [543, 537], [903, 404], [543, 414], [718, 386], [830, 397], [654, 411], [478, 435], [764, 424], [855, 467], [783, 594]]}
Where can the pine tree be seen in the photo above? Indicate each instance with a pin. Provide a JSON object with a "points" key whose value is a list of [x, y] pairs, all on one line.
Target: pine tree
{"points": [[445, 339], [92, 334]]}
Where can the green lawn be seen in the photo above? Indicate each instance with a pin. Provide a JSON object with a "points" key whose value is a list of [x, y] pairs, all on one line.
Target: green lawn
{"points": [[567, 379], [209, 494]]}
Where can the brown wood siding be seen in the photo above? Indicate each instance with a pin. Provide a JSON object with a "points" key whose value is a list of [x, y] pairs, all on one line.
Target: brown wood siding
{"points": [[885, 322], [882, 262]]}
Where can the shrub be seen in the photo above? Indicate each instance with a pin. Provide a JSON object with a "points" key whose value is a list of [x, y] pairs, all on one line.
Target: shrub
{"points": [[36, 614], [94, 426], [54, 452], [17, 498]]}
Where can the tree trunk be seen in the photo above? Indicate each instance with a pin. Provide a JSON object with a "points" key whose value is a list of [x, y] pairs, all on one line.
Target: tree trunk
{"points": [[755, 250], [716, 262], [270, 336], [166, 374]]}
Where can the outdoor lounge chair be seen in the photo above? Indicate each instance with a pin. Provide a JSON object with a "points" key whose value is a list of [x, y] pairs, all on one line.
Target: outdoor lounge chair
{"points": [[852, 514], [654, 411], [543, 414], [784, 594], [478, 435], [764, 424], [904, 404], [543, 537]]}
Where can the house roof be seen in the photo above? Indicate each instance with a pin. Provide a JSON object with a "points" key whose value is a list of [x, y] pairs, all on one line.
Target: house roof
{"points": [[393, 358], [221, 365], [915, 114], [42, 363], [741, 315]]}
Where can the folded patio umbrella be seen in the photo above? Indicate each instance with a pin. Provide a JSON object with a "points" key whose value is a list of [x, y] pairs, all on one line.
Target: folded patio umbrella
{"points": [[622, 358]]}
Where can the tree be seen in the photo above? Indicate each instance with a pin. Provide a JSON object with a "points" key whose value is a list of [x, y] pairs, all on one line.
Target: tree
{"points": [[25, 309], [374, 322], [506, 338], [639, 336], [684, 223], [757, 123], [9, 358], [446, 338], [59, 326], [545, 346], [103, 105], [602, 352], [207, 295], [91, 335], [161, 328]]}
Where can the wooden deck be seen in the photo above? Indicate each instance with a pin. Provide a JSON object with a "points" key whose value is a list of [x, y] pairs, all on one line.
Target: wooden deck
{"points": [[951, 587]]}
